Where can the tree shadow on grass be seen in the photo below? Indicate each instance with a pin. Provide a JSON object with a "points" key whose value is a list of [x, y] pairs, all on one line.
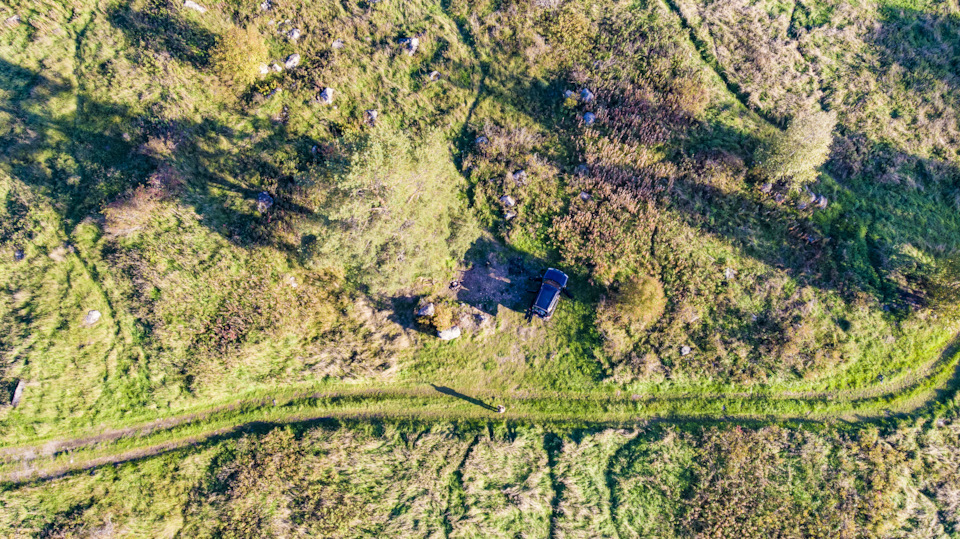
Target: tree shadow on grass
{"points": [[165, 32]]}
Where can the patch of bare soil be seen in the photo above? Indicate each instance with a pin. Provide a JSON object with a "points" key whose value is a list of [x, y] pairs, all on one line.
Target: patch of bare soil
{"points": [[496, 279]]}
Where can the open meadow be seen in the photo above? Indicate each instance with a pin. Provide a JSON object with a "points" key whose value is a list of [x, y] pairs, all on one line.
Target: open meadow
{"points": [[231, 232]]}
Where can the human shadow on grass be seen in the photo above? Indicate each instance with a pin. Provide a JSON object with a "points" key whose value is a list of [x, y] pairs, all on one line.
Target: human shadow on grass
{"points": [[461, 396]]}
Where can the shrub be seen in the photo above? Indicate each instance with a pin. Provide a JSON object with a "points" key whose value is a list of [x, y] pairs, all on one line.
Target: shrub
{"points": [[238, 55], [795, 154], [630, 311]]}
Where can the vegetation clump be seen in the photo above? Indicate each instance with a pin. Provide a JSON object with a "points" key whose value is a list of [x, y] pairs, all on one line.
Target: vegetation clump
{"points": [[795, 155], [238, 54], [624, 317]]}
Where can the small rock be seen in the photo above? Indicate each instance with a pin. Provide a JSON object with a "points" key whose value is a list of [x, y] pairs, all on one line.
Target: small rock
{"points": [[410, 45], [18, 255], [92, 318], [449, 334], [264, 69], [585, 196], [482, 140], [813, 198], [294, 34], [274, 92], [569, 94], [729, 273], [326, 96], [508, 201], [264, 202], [370, 117], [194, 6], [434, 76], [586, 95], [18, 393], [778, 198], [265, 5], [501, 409], [427, 310], [292, 61], [292, 281], [277, 67], [581, 170], [685, 351], [13, 21], [589, 118], [338, 44], [766, 188], [59, 254], [520, 177], [509, 215], [822, 202]]}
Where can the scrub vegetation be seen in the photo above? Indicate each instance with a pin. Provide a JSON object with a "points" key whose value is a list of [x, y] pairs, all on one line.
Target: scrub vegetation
{"points": [[207, 212]]}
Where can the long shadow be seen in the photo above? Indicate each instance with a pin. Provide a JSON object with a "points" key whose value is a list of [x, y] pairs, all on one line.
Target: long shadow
{"points": [[461, 396], [165, 31]]}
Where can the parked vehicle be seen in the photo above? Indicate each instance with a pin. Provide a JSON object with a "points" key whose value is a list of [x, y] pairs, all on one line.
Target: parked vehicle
{"points": [[552, 284]]}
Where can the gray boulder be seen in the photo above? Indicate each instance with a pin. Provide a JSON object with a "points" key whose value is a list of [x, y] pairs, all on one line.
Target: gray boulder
{"points": [[586, 96], [294, 34], [589, 118], [427, 310], [92, 318], [264, 202], [410, 45], [326, 96], [292, 61], [449, 334], [508, 201], [190, 4]]}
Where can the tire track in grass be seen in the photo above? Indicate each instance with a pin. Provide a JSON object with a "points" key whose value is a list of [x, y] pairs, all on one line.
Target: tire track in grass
{"points": [[18, 464]]}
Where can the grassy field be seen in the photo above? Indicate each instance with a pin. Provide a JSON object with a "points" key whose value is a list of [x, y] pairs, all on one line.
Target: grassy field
{"points": [[221, 219]]}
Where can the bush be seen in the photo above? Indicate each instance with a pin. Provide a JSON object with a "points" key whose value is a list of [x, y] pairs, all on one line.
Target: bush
{"points": [[238, 55], [794, 155], [624, 317]]}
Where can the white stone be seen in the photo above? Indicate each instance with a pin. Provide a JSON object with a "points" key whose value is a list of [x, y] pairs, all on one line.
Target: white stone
{"points": [[326, 96], [264, 69], [294, 34], [266, 5], [427, 310], [292, 61], [194, 6], [449, 334], [410, 45], [508, 201], [585, 196], [92, 318], [277, 67], [685, 351]]}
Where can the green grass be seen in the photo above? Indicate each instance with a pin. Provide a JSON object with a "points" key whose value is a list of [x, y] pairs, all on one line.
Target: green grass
{"points": [[133, 158]]}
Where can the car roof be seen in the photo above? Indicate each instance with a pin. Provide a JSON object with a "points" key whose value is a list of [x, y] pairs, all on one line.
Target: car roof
{"points": [[556, 276], [546, 295]]}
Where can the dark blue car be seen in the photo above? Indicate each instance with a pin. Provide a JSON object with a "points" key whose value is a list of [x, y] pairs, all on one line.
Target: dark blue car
{"points": [[552, 284]]}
